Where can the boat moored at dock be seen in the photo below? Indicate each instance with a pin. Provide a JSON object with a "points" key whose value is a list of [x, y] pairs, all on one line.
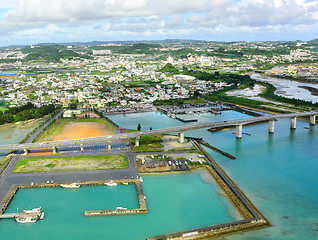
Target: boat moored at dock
{"points": [[72, 185], [111, 184]]}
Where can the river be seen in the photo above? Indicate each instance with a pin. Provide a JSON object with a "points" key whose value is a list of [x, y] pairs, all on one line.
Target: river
{"points": [[288, 88]]}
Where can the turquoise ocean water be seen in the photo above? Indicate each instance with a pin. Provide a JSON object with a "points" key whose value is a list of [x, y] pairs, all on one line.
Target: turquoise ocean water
{"points": [[278, 172]]}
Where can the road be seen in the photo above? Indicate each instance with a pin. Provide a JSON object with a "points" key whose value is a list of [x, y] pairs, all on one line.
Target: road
{"points": [[178, 129]]}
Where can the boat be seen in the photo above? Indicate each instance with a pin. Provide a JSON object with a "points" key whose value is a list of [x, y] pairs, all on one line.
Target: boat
{"points": [[26, 219], [111, 184], [72, 185], [121, 208], [34, 210], [125, 183], [140, 179]]}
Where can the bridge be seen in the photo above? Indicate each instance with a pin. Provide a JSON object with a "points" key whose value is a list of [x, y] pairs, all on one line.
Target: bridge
{"points": [[238, 123]]}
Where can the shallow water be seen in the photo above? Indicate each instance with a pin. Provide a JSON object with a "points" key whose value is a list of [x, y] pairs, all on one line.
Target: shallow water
{"points": [[175, 203], [278, 172]]}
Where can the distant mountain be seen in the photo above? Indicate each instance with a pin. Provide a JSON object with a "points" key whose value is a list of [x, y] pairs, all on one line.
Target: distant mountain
{"points": [[314, 41]]}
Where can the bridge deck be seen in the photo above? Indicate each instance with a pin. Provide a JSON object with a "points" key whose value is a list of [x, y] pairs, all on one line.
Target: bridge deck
{"points": [[178, 129]]}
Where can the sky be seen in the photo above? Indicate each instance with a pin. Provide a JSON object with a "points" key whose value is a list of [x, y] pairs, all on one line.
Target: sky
{"points": [[24, 22]]}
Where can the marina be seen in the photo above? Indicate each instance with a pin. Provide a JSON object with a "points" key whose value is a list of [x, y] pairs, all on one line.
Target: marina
{"points": [[250, 216]]}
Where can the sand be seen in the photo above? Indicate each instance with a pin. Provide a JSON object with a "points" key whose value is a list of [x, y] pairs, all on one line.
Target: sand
{"points": [[79, 130]]}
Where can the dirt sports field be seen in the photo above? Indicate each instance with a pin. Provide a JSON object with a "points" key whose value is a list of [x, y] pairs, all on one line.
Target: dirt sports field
{"points": [[76, 130]]}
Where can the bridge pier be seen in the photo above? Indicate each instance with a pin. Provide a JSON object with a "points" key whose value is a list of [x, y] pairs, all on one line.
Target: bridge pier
{"points": [[271, 124], [26, 151], [109, 147], [181, 137], [312, 120], [82, 148], [54, 149], [238, 131], [137, 141], [293, 123]]}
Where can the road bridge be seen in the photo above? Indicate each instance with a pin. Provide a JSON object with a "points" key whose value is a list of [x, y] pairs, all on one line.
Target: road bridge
{"points": [[238, 123]]}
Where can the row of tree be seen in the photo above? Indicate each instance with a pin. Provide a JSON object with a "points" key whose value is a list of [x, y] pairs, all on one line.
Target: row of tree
{"points": [[25, 112]]}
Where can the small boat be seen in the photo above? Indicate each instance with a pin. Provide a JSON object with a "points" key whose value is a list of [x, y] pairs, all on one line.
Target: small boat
{"points": [[121, 208], [26, 219], [72, 185], [140, 179], [125, 183], [34, 210], [111, 184]]}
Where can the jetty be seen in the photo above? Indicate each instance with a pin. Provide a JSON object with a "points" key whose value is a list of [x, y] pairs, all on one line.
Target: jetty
{"points": [[23, 217], [204, 143], [122, 211]]}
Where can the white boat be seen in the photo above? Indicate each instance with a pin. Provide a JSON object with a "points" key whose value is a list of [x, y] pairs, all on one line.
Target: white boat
{"points": [[34, 210], [26, 219], [72, 185], [125, 183], [121, 208], [141, 180], [111, 184]]}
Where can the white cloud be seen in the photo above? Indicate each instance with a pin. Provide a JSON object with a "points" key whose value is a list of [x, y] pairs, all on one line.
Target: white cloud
{"points": [[156, 17]]}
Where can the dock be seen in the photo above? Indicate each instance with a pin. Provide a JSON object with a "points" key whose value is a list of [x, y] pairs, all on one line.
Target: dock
{"points": [[186, 120], [204, 143], [34, 214], [141, 210]]}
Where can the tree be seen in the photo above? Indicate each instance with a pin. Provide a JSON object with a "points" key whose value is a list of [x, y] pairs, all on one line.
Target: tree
{"points": [[138, 127]]}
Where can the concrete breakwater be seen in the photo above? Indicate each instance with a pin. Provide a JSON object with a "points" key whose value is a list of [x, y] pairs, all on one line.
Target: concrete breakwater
{"points": [[215, 149], [253, 219], [14, 188], [141, 210]]}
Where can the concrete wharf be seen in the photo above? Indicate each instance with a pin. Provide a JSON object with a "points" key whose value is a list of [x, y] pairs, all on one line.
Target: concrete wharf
{"points": [[141, 210], [215, 148]]}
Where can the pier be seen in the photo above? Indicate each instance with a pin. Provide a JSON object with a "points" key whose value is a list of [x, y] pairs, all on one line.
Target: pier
{"points": [[27, 215], [141, 210], [204, 143]]}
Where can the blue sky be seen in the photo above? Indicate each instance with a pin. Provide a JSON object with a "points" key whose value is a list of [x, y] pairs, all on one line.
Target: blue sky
{"points": [[35, 21]]}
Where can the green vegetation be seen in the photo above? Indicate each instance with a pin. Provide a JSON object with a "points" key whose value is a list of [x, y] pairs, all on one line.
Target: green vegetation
{"points": [[138, 48], [148, 143], [169, 68], [25, 112], [3, 109], [70, 163], [50, 53], [196, 163], [178, 101]]}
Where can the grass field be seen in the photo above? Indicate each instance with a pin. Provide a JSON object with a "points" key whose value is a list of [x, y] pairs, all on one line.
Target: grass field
{"points": [[3, 109], [53, 164], [148, 143]]}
